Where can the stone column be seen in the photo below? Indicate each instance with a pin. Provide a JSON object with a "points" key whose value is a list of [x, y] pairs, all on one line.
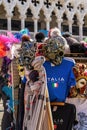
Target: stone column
{"points": [[35, 24], [22, 17], [70, 22], [48, 23], [59, 21], [80, 23], [9, 22]]}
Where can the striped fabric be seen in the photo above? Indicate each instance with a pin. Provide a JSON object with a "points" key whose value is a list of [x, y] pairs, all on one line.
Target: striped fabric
{"points": [[37, 106]]}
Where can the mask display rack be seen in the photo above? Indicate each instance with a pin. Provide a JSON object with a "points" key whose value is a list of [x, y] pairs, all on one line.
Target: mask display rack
{"points": [[78, 57], [16, 80]]}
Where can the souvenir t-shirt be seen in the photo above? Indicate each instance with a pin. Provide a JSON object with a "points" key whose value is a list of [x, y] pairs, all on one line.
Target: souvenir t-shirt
{"points": [[59, 79], [81, 112]]}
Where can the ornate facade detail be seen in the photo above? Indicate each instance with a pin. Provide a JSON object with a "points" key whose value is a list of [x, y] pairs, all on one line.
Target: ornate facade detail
{"points": [[23, 1], [35, 2], [69, 6], [9, 5], [22, 6], [50, 8]]}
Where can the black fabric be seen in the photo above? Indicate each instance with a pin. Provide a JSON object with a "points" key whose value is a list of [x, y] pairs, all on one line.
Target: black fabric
{"points": [[64, 116], [20, 109], [34, 75], [77, 48], [7, 121], [39, 37]]}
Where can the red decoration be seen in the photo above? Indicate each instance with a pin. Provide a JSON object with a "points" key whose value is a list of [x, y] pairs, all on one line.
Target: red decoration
{"points": [[55, 127], [2, 50]]}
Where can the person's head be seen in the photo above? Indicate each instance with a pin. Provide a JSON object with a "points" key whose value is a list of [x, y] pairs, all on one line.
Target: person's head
{"points": [[25, 34], [39, 37], [66, 34], [25, 38], [54, 32]]}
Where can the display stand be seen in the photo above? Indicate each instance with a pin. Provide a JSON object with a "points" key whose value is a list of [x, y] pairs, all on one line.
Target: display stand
{"points": [[78, 57], [15, 84]]}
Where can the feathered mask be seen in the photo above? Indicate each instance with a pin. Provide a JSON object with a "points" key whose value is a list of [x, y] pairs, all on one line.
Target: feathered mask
{"points": [[6, 42], [80, 71]]}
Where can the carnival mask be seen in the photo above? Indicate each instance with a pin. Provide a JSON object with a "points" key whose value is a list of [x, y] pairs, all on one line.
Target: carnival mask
{"points": [[54, 49], [80, 72], [27, 54], [21, 70]]}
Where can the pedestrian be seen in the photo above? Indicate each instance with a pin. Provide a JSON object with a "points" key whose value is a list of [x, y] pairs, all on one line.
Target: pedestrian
{"points": [[39, 37]]}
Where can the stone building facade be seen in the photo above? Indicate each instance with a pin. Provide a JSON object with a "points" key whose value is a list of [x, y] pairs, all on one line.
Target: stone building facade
{"points": [[67, 15]]}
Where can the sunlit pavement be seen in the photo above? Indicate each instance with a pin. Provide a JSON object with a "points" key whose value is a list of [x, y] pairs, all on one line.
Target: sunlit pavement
{"points": [[1, 112]]}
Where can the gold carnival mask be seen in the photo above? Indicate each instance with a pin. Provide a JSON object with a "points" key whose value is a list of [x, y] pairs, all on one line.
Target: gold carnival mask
{"points": [[54, 49], [21, 70]]}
